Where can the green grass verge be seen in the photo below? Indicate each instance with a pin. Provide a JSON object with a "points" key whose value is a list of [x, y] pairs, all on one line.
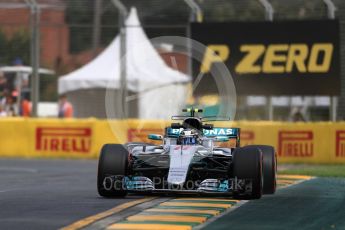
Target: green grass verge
{"points": [[319, 170]]}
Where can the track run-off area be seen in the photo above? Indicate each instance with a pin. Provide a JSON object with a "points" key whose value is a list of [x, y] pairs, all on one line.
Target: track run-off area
{"points": [[61, 194]]}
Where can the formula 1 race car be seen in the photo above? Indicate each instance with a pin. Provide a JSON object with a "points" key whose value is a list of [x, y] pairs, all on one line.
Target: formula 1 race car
{"points": [[188, 161]]}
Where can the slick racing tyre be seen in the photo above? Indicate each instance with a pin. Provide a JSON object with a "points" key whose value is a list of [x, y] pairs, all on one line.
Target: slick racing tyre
{"points": [[247, 164], [113, 161], [269, 168]]}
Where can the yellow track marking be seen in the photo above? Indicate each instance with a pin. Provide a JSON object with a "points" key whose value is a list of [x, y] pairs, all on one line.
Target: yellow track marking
{"points": [[91, 219], [208, 199], [194, 211], [149, 226], [294, 177], [171, 215], [190, 204], [286, 181], [174, 218]]}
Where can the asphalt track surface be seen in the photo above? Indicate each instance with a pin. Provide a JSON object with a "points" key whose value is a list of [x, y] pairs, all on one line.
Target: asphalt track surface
{"points": [[50, 194], [315, 204]]}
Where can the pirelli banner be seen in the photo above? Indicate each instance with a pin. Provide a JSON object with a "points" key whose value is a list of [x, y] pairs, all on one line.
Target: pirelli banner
{"points": [[53, 138], [302, 142], [321, 142], [50, 138], [271, 58]]}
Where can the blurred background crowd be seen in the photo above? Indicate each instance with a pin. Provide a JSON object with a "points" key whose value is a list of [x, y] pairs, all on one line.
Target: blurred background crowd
{"points": [[74, 32]]}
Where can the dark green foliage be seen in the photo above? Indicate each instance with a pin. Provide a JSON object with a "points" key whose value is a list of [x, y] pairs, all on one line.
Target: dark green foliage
{"points": [[48, 86], [16, 46], [79, 17]]}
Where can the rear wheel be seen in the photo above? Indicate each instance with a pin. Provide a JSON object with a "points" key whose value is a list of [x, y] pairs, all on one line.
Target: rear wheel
{"points": [[247, 164], [269, 168], [113, 160]]}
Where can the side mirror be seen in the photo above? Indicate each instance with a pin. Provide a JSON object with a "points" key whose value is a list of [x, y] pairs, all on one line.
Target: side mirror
{"points": [[176, 125], [155, 137], [207, 126], [222, 139]]}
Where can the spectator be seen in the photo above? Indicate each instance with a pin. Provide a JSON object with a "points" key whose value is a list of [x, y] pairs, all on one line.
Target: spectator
{"points": [[65, 107], [26, 106], [11, 112], [298, 116], [2, 112], [4, 98], [10, 107], [3, 82], [17, 62]]}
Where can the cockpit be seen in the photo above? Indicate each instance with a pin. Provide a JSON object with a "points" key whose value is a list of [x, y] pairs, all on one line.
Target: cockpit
{"points": [[189, 137], [192, 123]]}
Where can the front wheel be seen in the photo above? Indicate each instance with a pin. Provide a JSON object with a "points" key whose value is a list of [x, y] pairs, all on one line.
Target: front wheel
{"points": [[113, 161], [247, 164], [269, 168]]}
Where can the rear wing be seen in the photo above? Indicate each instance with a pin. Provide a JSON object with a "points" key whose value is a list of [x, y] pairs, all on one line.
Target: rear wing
{"points": [[231, 133]]}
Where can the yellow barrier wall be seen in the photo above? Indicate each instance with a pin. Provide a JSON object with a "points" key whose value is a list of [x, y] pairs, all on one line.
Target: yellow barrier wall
{"points": [[321, 142]]}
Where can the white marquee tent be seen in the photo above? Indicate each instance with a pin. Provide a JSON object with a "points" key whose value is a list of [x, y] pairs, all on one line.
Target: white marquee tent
{"points": [[157, 91]]}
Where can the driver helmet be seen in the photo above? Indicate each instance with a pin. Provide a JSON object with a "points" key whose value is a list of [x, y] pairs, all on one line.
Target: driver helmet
{"points": [[189, 137]]}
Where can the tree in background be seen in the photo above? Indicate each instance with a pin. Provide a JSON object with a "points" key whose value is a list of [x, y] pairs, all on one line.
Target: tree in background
{"points": [[79, 16], [14, 47]]}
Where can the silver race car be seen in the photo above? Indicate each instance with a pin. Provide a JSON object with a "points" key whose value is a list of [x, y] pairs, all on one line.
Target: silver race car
{"points": [[189, 160]]}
